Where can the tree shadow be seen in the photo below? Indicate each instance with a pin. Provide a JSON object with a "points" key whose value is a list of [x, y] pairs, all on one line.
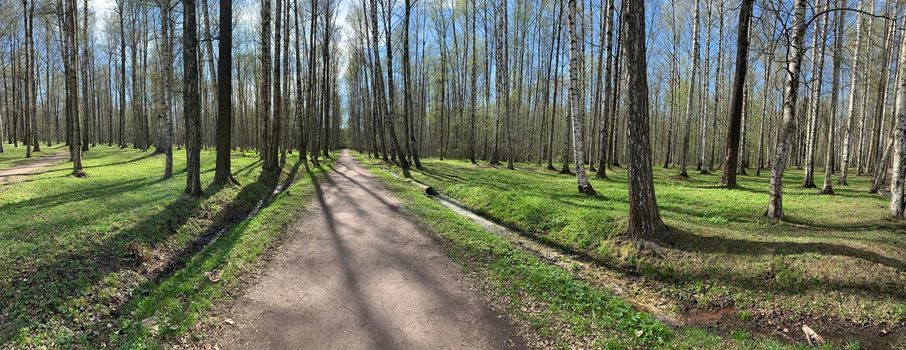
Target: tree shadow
{"points": [[144, 253], [214, 247], [693, 243], [137, 159]]}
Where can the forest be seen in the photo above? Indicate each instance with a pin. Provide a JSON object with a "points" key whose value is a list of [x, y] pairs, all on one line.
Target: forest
{"points": [[469, 174]]}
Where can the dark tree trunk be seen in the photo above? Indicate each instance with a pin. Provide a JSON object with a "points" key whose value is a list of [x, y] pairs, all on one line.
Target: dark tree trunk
{"points": [[742, 50], [644, 216], [191, 100], [225, 93]]}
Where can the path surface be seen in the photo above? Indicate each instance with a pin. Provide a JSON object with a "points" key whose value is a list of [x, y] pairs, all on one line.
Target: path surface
{"points": [[359, 274], [30, 167]]}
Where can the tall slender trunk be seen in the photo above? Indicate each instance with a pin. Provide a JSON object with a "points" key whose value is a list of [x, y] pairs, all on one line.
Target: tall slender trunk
{"points": [[191, 99], [271, 160], [815, 100], [796, 50], [164, 120], [86, 96], [705, 97], [644, 216], [556, 78], [411, 143], [503, 80], [224, 90], [874, 153], [691, 94], [607, 97], [72, 85], [121, 137], [300, 95], [828, 187], [898, 179], [730, 167], [379, 84], [576, 107], [474, 94], [855, 83], [28, 116], [309, 91], [264, 109]]}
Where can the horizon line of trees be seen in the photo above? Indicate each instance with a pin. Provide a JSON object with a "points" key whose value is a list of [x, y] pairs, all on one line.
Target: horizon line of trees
{"points": [[121, 87]]}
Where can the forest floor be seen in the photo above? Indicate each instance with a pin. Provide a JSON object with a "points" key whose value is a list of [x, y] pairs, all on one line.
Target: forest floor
{"points": [[123, 257], [358, 273], [836, 264]]}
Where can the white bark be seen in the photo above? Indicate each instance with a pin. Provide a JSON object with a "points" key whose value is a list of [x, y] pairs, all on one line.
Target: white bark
{"points": [[775, 204], [575, 106]]}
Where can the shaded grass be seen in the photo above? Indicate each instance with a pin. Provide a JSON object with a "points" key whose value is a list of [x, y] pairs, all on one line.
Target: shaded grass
{"points": [[835, 257], [74, 252], [562, 311]]}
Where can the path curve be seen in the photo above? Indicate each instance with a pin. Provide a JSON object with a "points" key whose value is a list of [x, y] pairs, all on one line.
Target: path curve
{"points": [[358, 273], [30, 167]]}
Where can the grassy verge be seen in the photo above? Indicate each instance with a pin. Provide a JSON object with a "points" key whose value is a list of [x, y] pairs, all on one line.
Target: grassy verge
{"points": [[562, 311], [836, 258], [79, 256], [170, 308]]}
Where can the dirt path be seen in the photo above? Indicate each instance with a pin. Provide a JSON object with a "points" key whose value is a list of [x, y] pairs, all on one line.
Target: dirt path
{"points": [[31, 167], [359, 274]]}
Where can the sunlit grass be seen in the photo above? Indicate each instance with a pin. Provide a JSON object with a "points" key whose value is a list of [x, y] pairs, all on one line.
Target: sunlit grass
{"points": [[74, 252], [836, 256]]}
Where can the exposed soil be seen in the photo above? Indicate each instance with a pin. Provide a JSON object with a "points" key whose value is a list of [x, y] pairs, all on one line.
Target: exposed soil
{"points": [[29, 167], [357, 272]]}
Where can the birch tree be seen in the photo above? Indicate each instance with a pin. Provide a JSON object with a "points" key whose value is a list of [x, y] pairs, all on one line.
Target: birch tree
{"points": [[855, 82], [644, 216], [690, 98], [796, 51], [898, 179], [829, 159], [576, 108]]}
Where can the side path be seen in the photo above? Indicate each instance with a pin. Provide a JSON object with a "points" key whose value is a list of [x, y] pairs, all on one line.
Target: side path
{"points": [[32, 166], [359, 274]]}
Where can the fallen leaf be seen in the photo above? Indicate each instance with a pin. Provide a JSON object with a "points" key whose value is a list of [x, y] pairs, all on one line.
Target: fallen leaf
{"points": [[812, 337], [214, 276]]}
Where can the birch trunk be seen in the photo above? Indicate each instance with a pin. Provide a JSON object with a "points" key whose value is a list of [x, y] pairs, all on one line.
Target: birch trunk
{"points": [[576, 109], [691, 94], [608, 94], [853, 91], [898, 179], [829, 159], [644, 216], [796, 50], [815, 100]]}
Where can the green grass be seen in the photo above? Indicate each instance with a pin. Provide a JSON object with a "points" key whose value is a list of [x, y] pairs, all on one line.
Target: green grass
{"points": [[83, 261], [836, 257], [563, 311]]}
